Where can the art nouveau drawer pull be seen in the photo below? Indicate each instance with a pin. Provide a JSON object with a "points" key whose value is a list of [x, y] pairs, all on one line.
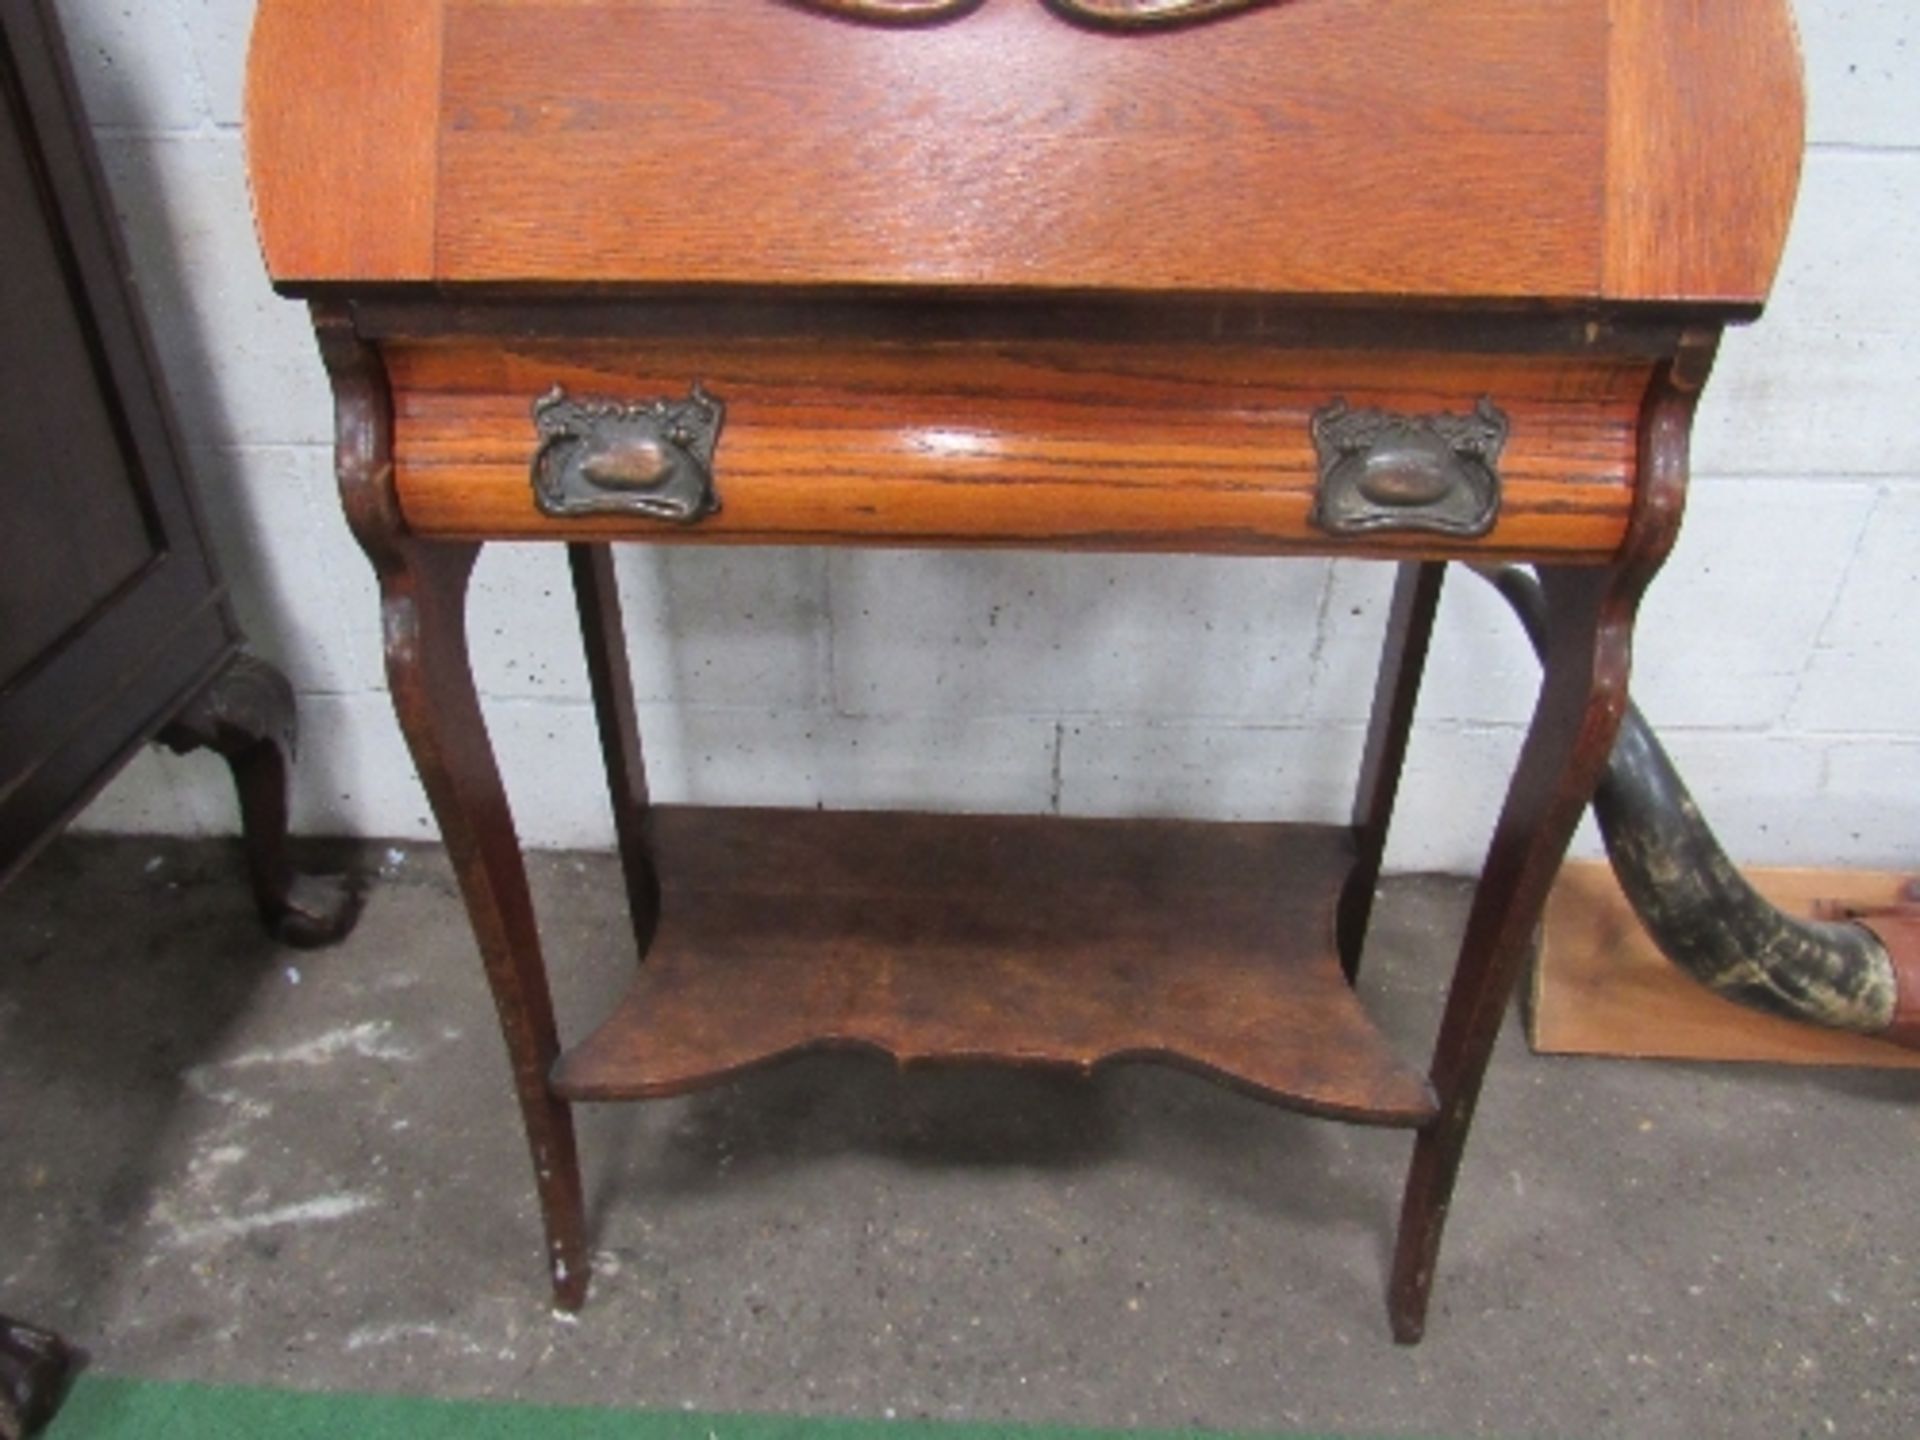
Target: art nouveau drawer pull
{"points": [[1381, 471], [605, 457]]}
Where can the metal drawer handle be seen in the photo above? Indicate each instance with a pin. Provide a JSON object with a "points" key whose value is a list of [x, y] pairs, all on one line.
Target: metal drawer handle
{"points": [[1381, 471], [606, 457]]}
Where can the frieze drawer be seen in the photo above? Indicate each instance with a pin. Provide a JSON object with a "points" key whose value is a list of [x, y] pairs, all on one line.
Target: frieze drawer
{"points": [[1122, 447]]}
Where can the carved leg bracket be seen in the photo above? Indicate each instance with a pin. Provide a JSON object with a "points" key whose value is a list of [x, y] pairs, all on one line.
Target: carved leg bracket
{"points": [[245, 714]]}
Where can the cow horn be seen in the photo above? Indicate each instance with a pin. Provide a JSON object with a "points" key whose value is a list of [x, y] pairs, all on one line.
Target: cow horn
{"points": [[1696, 905]]}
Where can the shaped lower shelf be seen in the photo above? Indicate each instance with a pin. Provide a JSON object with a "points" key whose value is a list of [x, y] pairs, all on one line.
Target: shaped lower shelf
{"points": [[1020, 940]]}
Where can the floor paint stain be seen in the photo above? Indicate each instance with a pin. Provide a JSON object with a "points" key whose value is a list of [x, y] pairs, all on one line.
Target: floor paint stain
{"points": [[308, 1212], [367, 1336], [368, 1040]]}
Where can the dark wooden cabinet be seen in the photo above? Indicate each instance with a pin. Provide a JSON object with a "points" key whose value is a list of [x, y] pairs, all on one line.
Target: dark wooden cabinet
{"points": [[114, 616], [114, 623]]}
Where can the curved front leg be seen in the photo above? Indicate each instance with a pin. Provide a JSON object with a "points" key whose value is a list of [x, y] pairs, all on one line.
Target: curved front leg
{"points": [[423, 590], [424, 609], [1583, 696]]}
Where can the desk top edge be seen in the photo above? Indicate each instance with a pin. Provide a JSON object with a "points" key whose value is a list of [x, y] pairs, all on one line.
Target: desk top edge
{"points": [[1623, 193]]}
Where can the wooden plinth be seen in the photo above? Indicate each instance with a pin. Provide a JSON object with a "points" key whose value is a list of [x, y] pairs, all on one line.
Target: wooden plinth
{"points": [[1022, 940], [1603, 988]]}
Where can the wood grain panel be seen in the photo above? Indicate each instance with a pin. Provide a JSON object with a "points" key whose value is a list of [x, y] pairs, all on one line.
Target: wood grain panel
{"points": [[1170, 447], [1339, 146], [1602, 987], [1031, 940], [342, 113], [1707, 119]]}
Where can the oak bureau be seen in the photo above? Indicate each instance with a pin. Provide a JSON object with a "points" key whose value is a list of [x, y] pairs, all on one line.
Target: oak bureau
{"points": [[1415, 282]]}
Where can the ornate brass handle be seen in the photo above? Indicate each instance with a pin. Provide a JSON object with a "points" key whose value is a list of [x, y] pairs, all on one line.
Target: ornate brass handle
{"points": [[1381, 471], [605, 457]]}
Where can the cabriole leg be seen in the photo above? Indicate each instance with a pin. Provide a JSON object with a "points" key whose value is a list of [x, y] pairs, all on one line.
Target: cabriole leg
{"points": [[1582, 697], [424, 601], [423, 590]]}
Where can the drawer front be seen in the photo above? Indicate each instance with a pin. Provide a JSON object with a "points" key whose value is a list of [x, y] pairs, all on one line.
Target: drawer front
{"points": [[1046, 444]]}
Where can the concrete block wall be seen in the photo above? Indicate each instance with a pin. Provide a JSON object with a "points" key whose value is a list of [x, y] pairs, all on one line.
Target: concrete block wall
{"points": [[1772, 658]]}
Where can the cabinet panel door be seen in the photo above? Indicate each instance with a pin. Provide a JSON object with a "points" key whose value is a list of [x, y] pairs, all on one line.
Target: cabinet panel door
{"points": [[110, 611], [73, 519]]}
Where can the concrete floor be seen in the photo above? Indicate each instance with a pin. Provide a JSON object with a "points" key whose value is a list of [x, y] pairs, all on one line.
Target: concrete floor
{"points": [[226, 1161]]}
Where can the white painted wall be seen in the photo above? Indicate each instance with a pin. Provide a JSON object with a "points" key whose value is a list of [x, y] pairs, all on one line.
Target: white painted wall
{"points": [[1771, 657]]}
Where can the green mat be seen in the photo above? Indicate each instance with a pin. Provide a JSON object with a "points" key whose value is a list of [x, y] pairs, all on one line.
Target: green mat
{"points": [[102, 1408]]}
